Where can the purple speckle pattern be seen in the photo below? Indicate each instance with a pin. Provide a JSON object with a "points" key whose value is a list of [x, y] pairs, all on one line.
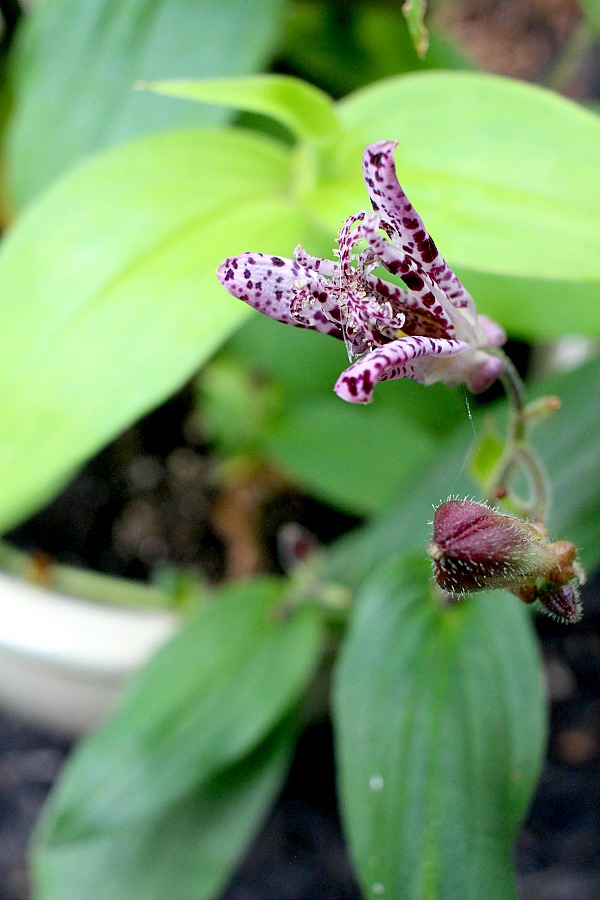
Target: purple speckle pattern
{"points": [[282, 289], [404, 225], [421, 358], [423, 326]]}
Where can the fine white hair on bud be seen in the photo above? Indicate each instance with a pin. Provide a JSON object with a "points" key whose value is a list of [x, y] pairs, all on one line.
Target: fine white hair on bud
{"points": [[475, 547]]}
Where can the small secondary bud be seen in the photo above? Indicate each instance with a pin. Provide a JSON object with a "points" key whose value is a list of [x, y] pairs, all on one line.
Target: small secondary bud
{"points": [[562, 603], [541, 409]]}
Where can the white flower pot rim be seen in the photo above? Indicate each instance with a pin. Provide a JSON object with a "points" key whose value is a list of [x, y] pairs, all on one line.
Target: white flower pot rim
{"points": [[62, 659]]}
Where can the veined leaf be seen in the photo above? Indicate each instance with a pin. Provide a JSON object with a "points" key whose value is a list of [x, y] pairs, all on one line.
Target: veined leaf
{"points": [[478, 158], [76, 63], [440, 727], [189, 850], [305, 110], [208, 699], [109, 297]]}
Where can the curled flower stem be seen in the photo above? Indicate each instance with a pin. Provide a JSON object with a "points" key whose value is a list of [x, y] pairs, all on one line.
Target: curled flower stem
{"points": [[518, 452], [515, 391], [533, 467]]}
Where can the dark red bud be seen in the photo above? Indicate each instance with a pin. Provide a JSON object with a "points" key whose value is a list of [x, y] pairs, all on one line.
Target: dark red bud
{"points": [[476, 548]]}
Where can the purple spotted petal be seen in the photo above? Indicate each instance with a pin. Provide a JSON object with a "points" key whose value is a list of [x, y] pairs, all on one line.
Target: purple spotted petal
{"points": [[281, 289], [403, 223], [418, 319], [424, 302], [419, 358], [426, 328]]}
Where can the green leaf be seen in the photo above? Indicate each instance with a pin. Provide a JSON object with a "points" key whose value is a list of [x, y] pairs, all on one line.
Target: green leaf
{"points": [[305, 110], [414, 13], [189, 850], [110, 301], [355, 458], [203, 703], [499, 193], [440, 726], [76, 63]]}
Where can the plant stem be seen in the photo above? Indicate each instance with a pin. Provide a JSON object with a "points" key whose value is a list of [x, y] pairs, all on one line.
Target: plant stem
{"points": [[518, 452], [515, 392]]}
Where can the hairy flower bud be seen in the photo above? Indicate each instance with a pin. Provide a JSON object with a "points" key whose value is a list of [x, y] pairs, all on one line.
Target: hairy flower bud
{"points": [[477, 548]]}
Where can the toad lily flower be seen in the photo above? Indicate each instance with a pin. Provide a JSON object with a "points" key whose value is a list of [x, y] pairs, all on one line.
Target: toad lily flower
{"points": [[425, 328]]}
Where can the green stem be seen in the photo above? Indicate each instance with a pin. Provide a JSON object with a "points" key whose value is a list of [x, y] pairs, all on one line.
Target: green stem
{"points": [[539, 485], [515, 391], [518, 453]]}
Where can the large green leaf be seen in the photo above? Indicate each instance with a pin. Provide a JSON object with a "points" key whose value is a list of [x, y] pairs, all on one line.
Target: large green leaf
{"points": [[440, 726], [304, 109], [504, 173], [189, 850], [76, 64], [109, 297], [350, 456], [163, 799], [206, 700]]}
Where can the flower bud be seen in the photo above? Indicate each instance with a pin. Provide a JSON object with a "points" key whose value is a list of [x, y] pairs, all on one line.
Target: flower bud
{"points": [[562, 603], [476, 548]]}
